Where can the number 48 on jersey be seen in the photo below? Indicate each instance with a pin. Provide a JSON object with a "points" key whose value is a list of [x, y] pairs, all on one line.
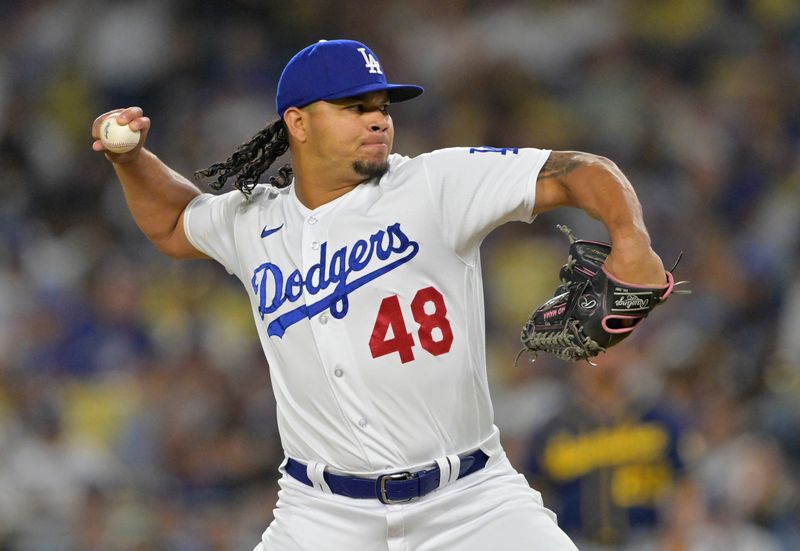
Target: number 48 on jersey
{"points": [[433, 328]]}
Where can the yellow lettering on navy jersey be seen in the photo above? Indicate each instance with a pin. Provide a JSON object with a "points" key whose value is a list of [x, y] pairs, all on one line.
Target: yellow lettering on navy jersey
{"points": [[568, 456]]}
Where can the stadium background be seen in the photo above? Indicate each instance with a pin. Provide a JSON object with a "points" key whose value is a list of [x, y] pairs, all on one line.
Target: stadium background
{"points": [[135, 409]]}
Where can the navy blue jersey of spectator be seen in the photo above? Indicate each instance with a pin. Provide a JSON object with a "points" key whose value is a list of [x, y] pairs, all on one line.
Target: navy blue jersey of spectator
{"points": [[603, 477]]}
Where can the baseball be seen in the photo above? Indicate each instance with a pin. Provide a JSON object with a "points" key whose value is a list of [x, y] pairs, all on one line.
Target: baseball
{"points": [[117, 138]]}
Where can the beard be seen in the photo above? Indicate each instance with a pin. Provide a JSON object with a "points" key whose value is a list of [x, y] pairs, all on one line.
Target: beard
{"points": [[371, 170]]}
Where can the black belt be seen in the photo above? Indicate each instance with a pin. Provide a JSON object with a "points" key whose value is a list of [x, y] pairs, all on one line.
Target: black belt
{"points": [[389, 488]]}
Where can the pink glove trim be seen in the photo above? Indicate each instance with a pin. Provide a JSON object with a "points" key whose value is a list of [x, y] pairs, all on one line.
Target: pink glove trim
{"points": [[620, 330], [668, 285]]}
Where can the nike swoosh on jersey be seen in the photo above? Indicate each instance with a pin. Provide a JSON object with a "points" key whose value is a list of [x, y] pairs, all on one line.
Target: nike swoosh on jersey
{"points": [[265, 232]]}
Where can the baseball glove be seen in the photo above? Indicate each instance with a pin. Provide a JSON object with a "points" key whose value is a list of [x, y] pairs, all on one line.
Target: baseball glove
{"points": [[590, 310]]}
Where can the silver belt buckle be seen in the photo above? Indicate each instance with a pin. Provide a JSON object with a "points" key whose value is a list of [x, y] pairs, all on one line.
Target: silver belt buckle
{"points": [[382, 487]]}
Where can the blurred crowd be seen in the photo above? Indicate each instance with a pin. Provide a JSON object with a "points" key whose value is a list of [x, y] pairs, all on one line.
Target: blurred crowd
{"points": [[135, 405]]}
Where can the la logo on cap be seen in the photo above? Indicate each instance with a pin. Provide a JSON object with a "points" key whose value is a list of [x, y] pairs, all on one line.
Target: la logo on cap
{"points": [[371, 63]]}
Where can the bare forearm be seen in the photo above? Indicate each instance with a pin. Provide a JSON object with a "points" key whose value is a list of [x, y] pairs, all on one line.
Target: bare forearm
{"points": [[598, 187], [156, 194]]}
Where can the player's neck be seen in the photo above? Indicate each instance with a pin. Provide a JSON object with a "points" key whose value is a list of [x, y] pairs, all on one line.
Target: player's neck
{"points": [[315, 188]]}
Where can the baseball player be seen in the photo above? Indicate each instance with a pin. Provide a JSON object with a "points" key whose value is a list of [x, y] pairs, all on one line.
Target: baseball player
{"points": [[363, 273]]}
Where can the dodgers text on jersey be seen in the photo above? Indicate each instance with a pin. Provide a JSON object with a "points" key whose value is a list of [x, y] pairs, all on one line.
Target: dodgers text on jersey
{"points": [[391, 247]]}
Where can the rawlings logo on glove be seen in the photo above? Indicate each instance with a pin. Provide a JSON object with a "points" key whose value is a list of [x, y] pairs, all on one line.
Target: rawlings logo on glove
{"points": [[591, 310], [629, 302]]}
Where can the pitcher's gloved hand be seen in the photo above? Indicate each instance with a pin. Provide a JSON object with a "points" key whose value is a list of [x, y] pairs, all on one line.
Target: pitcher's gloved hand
{"points": [[591, 310]]}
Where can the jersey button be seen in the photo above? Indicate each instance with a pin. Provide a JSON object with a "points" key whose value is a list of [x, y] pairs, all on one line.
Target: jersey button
{"points": [[312, 220], [315, 245], [362, 423], [338, 372], [323, 319]]}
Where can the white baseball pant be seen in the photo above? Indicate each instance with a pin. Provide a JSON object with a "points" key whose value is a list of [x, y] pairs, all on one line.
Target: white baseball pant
{"points": [[493, 509]]}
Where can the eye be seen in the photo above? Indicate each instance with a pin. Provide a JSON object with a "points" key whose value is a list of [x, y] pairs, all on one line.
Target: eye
{"points": [[362, 108]]}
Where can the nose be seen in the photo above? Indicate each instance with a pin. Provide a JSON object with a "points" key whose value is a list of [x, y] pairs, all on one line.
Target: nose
{"points": [[378, 121]]}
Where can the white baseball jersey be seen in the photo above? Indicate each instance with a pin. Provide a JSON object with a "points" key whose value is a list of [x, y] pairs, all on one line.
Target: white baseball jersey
{"points": [[370, 308]]}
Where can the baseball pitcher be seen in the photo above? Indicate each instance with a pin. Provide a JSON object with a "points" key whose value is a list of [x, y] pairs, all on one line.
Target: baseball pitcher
{"points": [[363, 271]]}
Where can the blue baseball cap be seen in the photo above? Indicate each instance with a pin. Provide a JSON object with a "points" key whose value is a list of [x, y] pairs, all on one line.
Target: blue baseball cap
{"points": [[335, 69]]}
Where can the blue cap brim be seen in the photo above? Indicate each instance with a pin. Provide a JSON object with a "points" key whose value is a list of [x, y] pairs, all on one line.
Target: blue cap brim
{"points": [[397, 92]]}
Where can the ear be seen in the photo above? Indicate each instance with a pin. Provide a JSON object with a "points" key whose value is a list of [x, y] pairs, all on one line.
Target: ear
{"points": [[296, 122]]}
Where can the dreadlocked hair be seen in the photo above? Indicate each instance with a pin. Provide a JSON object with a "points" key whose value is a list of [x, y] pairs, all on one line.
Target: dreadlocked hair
{"points": [[251, 160]]}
